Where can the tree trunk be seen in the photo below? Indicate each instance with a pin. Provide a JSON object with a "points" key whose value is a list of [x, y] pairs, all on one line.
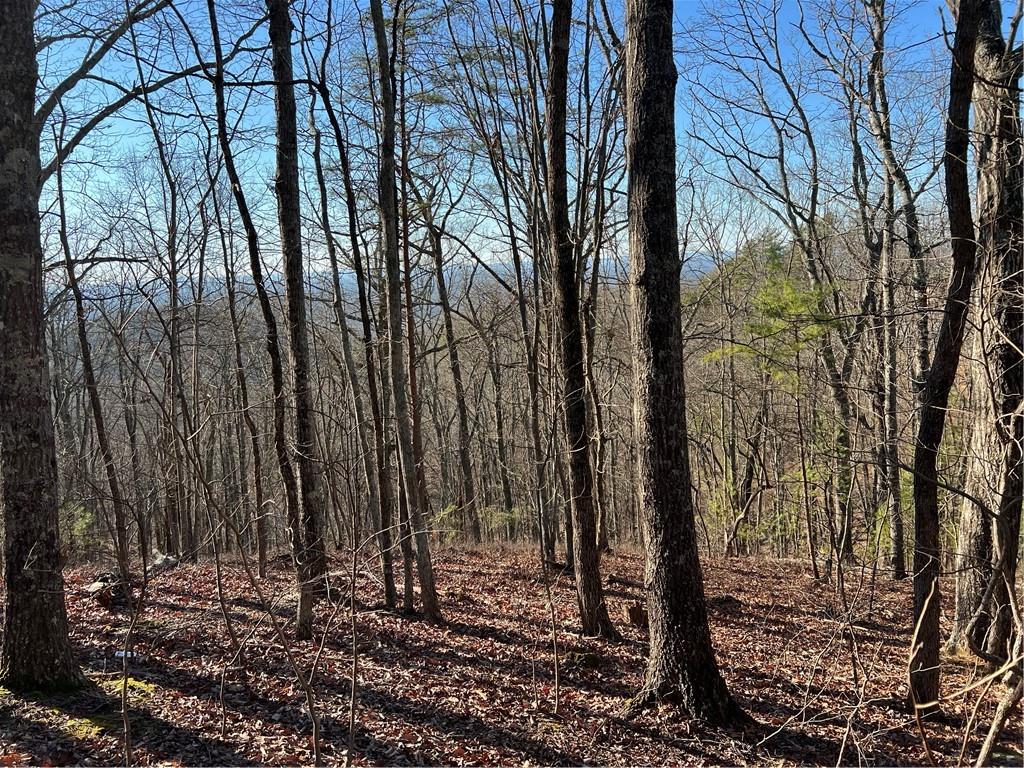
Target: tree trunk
{"points": [[499, 428], [924, 658], [987, 541], [370, 472], [388, 201], [35, 651], [470, 511], [380, 466], [881, 128], [681, 666], [286, 185], [281, 451], [589, 592], [242, 385], [117, 499], [890, 412]]}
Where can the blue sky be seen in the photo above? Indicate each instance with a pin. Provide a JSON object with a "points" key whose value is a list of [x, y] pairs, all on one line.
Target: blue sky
{"points": [[915, 27]]}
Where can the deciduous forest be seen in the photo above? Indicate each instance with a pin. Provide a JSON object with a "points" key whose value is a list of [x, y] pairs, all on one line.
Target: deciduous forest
{"points": [[467, 382]]}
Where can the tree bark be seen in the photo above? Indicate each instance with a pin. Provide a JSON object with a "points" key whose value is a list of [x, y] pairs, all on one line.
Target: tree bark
{"points": [[589, 592], [924, 655], [681, 665], [987, 540], [35, 652]]}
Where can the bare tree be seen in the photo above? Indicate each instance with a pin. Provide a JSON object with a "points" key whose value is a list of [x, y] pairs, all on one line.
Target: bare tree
{"points": [[681, 664], [388, 200], [309, 555], [117, 499], [586, 558], [35, 652], [924, 655]]}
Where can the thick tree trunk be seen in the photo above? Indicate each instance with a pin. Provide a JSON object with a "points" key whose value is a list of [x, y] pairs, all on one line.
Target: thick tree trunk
{"points": [[681, 666], [924, 658], [973, 556], [35, 651], [589, 592], [987, 541]]}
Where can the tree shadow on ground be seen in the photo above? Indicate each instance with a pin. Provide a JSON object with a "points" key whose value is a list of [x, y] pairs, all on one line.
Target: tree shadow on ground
{"points": [[69, 721], [334, 731]]}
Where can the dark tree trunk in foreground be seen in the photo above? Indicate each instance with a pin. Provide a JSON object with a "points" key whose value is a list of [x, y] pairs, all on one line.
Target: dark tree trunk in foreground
{"points": [[987, 540], [924, 655], [35, 653], [593, 611], [681, 667]]}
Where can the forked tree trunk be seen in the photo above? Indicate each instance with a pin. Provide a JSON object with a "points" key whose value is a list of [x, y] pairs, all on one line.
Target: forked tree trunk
{"points": [[589, 592], [681, 666], [35, 651]]}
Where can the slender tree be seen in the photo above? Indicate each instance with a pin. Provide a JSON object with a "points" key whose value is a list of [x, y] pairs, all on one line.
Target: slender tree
{"points": [[286, 185], [117, 500], [388, 200], [924, 654], [272, 338], [374, 464], [470, 506], [589, 592]]}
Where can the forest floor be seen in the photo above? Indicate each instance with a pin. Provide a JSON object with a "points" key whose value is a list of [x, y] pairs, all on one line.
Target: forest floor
{"points": [[481, 688]]}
